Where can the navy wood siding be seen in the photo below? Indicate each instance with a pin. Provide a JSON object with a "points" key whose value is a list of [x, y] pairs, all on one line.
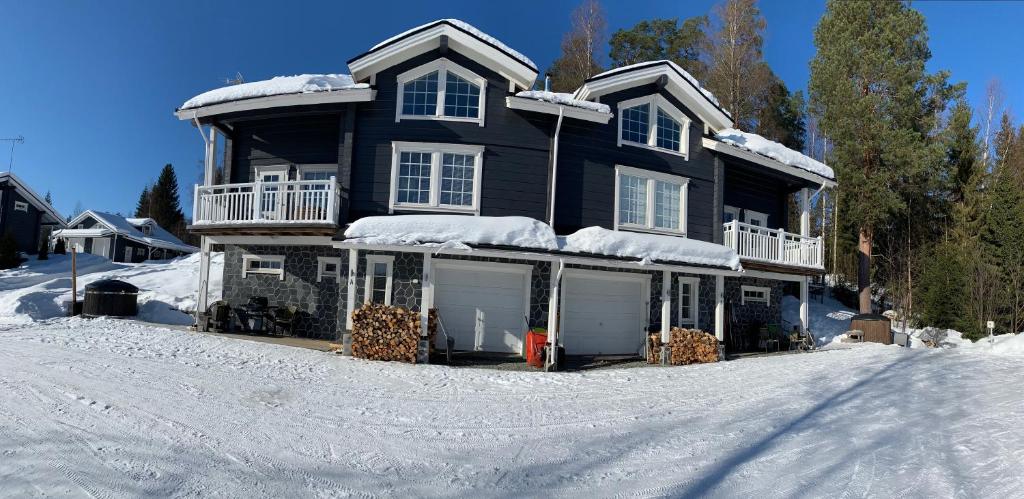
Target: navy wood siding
{"points": [[301, 138], [516, 145], [586, 170], [23, 225], [753, 188]]}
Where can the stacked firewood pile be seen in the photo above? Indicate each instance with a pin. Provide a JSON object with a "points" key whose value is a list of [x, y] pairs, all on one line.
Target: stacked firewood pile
{"points": [[687, 346], [382, 332]]}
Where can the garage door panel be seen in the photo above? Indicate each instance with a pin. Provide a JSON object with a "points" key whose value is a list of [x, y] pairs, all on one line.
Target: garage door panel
{"points": [[481, 309], [601, 315]]}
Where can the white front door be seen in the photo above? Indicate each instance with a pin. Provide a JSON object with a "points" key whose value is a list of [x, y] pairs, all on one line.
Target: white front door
{"points": [[127, 254], [482, 306], [604, 312], [270, 198]]}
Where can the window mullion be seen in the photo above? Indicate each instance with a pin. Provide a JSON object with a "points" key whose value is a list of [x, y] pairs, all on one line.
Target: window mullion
{"points": [[652, 123], [435, 178], [442, 79], [651, 184]]}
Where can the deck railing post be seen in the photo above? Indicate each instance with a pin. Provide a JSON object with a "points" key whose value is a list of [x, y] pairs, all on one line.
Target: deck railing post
{"points": [[257, 201], [782, 246]]}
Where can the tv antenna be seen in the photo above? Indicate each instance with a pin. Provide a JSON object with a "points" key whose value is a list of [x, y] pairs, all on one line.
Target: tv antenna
{"points": [[237, 80], [14, 141]]}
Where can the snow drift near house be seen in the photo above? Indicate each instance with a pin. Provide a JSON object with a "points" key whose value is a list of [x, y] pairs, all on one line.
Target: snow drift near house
{"points": [[455, 231], [650, 247], [564, 99], [278, 85], [463, 25], [829, 320], [38, 290], [757, 144]]}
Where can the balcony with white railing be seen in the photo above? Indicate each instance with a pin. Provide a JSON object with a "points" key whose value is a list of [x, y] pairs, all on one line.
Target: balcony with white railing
{"points": [[292, 203], [774, 246]]}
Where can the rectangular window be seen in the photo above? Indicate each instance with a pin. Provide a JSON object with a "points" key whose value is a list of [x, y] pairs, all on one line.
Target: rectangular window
{"points": [[263, 264], [441, 90], [689, 287], [756, 218], [21, 206], [328, 267], [666, 132], [436, 177], [650, 201], [378, 279], [731, 213], [755, 294]]}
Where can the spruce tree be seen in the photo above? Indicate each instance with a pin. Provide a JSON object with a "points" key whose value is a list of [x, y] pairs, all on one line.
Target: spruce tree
{"points": [[782, 116], [48, 198], [165, 207], [59, 248], [868, 83], [662, 39], [142, 206]]}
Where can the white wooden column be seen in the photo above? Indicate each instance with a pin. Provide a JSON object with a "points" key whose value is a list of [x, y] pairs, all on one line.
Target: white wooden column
{"points": [[805, 314], [350, 302], [204, 277], [426, 303], [720, 307], [666, 306], [553, 302], [805, 212], [211, 157]]}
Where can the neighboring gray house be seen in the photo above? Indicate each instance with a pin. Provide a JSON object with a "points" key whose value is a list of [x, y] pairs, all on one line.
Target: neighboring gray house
{"points": [[24, 213], [121, 239]]}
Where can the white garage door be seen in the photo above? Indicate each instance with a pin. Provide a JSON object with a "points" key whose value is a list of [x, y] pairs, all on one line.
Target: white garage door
{"points": [[101, 246], [482, 307], [603, 313]]}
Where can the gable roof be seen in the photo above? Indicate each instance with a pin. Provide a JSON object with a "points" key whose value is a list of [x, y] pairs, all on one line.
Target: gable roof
{"points": [[35, 199], [462, 37], [127, 228], [680, 84]]}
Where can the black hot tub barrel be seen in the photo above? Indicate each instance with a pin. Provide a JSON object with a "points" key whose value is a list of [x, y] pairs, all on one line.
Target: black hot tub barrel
{"points": [[110, 297]]}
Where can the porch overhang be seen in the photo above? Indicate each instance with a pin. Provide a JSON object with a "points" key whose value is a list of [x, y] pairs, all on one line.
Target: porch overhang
{"points": [[723, 148]]}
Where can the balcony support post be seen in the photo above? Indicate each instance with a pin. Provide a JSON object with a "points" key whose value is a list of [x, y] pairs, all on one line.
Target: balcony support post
{"points": [[720, 307], [805, 315]]}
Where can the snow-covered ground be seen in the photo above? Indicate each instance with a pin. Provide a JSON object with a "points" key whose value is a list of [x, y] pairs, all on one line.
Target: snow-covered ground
{"points": [[39, 290], [107, 408]]}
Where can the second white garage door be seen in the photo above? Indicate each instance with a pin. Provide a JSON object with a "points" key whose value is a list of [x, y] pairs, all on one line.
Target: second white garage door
{"points": [[482, 306], [603, 312]]}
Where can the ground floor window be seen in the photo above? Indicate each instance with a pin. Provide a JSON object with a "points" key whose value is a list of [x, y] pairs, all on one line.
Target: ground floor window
{"points": [[378, 279], [263, 264], [689, 287], [328, 267], [755, 294]]}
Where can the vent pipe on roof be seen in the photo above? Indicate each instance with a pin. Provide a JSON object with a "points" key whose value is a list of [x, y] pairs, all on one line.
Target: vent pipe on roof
{"points": [[547, 82]]}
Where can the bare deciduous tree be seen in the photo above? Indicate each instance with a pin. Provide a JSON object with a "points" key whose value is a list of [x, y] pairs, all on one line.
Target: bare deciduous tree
{"points": [[580, 48], [737, 74]]}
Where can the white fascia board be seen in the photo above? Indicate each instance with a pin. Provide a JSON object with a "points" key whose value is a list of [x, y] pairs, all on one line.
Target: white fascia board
{"points": [[272, 240], [765, 161], [774, 276], [459, 41], [332, 97], [682, 90], [534, 105]]}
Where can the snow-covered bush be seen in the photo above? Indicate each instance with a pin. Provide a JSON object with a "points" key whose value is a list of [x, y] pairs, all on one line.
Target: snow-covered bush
{"points": [[933, 336]]}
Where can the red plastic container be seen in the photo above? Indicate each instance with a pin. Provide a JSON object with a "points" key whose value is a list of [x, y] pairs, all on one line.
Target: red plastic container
{"points": [[536, 338]]}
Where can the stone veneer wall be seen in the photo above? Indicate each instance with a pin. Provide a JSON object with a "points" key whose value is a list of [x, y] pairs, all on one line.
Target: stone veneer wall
{"points": [[754, 313], [317, 301], [406, 289]]}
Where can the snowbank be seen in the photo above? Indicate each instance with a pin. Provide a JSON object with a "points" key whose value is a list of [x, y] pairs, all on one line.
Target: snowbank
{"points": [[38, 290], [469, 28], [564, 99], [829, 320], [649, 247], [278, 85], [454, 231], [757, 144]]}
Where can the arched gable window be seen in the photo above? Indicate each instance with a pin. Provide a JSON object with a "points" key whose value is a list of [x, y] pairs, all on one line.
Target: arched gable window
{"points": [[441, 90]]}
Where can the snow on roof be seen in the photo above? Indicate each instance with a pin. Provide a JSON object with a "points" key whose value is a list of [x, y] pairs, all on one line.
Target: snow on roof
{"points": [[32, 197], [707, 93], [472, 30], [757, 144], [158, 238], [649, 247], [564, 99], [452, 231], [278, 85]]}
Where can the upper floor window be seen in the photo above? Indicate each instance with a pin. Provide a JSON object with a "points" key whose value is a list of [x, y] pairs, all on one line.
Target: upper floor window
{"points": [[441, 90], [435, 177], [653, 122], [650, 201], [21, 206]]}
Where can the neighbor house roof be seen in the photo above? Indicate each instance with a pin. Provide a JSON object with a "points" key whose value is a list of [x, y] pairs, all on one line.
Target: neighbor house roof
{"points": [[127, 228], [278, 91], [49, 213], [462, 36]]}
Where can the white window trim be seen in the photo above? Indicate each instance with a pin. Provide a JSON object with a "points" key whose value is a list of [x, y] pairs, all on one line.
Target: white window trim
{"points": [[435, 150], [21, 206], [389, 260], [653, 177], [734, 211], [656, 102], [272, 169], [262, 258], [758, 289], [321, 265], [694, 283], [316, 167], [749, 215], [442, 66]]}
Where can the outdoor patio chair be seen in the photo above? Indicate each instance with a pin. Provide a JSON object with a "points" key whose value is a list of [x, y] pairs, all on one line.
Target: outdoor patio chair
{"points": [[766, 338], [218, 317], [283, 319]]}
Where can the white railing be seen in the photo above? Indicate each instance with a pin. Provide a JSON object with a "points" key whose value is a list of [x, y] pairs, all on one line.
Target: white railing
{"points": [[752, 242], [296, 201]]}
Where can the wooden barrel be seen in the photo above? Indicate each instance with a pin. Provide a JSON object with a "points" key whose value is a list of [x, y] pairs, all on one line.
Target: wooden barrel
{"points": [[876, 327]]}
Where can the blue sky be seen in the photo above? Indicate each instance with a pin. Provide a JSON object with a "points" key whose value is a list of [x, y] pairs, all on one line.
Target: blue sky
{"points": [[92, 85]]}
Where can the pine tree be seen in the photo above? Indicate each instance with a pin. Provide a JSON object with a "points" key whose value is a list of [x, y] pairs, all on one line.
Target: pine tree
{"points": [[1003, 233], [737, 74], [662, 39], [782, 116], [48, 198], [44, 249], [868, 80], [579, 59], [142, 206], [165, 206]]}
